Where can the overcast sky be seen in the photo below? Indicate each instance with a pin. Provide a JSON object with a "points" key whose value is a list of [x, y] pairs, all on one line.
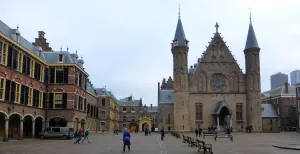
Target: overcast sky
{"points": [[125, 44]]}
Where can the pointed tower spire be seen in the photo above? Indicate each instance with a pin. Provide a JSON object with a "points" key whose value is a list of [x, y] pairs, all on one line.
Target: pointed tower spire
{"points": [[179, 38], [251, 38]]}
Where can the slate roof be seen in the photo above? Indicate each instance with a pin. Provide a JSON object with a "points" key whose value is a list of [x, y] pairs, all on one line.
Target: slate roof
{"points": [[166, 97], [129, 102], [179, 34], [90, 88], [280, 91], [9, 32], [219, 105], [102, 91], [52, 57], [105, 92], [267, 111], [251, 38], [153, 109]]}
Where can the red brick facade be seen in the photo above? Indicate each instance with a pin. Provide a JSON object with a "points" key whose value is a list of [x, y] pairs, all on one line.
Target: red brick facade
{"points": [[31, 96]]}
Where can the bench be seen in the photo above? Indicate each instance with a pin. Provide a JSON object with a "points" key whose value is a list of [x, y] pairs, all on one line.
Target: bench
{"points": [[224, 136], [184, 139], [172, 133], [177, 135], [192, 142], [207, 148], [209, 134]]}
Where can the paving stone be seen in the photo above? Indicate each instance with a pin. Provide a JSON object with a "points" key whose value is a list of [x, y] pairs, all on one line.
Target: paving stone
{"points": [[260, 143]]}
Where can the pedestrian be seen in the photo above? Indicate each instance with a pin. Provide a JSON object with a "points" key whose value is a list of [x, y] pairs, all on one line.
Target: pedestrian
{"points": [[75, 136], [126, 140], [200, 132], [196, 131], [162, 131], [86, 135], [80, 132]]}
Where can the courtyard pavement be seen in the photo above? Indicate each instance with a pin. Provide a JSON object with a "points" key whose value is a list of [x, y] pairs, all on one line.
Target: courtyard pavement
{"points": [[260, 143]]}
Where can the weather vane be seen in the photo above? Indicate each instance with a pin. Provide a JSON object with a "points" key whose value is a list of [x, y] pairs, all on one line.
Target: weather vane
{"points": [[250, 15], [179, 11]]}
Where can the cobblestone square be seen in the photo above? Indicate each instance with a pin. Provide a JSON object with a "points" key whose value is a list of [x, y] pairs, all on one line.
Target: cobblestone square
{"points": [[258, 143]]}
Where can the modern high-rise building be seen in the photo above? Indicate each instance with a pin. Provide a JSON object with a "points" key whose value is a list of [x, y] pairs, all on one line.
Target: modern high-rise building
{"points": [[278, 80], [295, 77]]}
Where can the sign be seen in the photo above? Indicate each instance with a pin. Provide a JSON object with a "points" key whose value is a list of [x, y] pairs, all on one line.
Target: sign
{"points": [[156, 129]]}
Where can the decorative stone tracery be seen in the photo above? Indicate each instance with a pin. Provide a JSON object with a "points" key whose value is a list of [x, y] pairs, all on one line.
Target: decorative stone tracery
{"points": [[234, 82], [202, 82], [218, 82]]}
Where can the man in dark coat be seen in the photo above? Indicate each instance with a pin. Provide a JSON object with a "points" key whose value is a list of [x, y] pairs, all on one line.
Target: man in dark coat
{"points": [[162, 131], [196, 131]]}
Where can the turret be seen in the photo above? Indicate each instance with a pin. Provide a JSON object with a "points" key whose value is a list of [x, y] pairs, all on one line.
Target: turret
{"points": [[253, 98], [180, 48]]}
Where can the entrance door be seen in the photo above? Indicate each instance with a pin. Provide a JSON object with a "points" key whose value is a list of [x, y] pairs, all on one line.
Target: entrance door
{"points": [[144, 127], [132, 128]]}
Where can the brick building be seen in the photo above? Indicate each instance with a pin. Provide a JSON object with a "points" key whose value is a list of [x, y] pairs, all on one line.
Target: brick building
{"points": [[298, 103], [270, 119], [283, 100], [41, 87], [125, 112]]}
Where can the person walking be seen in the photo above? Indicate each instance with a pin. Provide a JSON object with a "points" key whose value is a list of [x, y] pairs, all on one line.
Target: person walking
{"points": [[162, 131], [86, 135], [126, 140], [75, 136], [200, 132], [196, 131], [80, 132]]}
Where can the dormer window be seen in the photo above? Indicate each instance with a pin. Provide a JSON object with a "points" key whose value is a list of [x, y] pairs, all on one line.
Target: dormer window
{"points": [[169, 97], [175, 43], [60, 58]]}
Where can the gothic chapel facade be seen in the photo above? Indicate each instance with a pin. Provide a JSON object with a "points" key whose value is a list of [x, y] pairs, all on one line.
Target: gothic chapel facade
{"points": [[215, 91]]}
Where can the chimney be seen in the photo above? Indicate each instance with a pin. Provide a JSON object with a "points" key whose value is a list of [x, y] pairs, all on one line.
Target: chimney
{"points": [[41, 34], [17, 34], [286, 87], [151, 106]]}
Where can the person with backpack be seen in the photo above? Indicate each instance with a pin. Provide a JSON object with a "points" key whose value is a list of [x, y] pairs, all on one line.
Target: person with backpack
{"points": [[126, 140], [75, 136], [86, 135], [80, 132]]}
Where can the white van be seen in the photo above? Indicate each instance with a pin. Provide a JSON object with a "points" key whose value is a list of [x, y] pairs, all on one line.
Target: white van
{"points": [[57, 132]]}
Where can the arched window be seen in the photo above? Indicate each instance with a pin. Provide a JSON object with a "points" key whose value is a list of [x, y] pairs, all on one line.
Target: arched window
{"points": [[239, 111], [234, 82], [124, 109], [202, 82], [199, 111]]}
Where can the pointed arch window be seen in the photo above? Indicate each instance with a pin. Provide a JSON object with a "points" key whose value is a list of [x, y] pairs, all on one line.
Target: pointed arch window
{"points": [[199, 111], [202, 82], [234, 82], [239, 111]]}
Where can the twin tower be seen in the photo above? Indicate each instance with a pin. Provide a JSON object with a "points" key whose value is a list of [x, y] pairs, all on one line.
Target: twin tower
{"points": [[182, 85]]}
